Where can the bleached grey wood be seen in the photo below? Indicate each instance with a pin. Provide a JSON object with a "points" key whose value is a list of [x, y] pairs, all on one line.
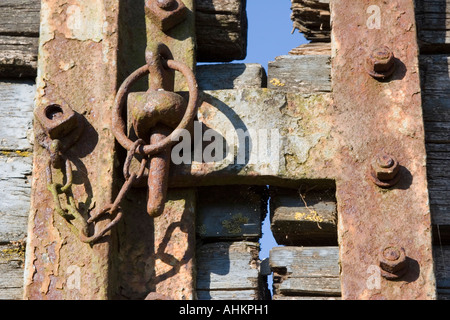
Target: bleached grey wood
{"points": [[228, 266], [231, 76], [312, 48], [16, 114], [11, 272], [228, 295], [19, 17], [304, 74], [305, 270], [19, 31], [15, 174]]}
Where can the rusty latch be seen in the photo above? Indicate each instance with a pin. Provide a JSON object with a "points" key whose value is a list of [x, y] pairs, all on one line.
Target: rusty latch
{"points": [[159, 117]]}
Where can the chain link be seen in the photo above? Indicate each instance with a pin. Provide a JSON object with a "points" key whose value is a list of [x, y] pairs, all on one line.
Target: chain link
{"points": [[71, 214]]}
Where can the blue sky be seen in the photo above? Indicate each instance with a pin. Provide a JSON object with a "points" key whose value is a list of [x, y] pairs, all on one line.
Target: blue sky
{"points": [[269, 31]]}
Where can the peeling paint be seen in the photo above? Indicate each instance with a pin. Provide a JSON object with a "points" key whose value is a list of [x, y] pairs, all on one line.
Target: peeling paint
{"points": [[83, 19]]}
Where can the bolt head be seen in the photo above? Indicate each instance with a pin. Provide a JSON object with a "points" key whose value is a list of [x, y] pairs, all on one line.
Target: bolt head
{"points": [[393, 261], [385, 167], [166, 4], [385, 161], [391, 253], [381, 63], [166, 14]]}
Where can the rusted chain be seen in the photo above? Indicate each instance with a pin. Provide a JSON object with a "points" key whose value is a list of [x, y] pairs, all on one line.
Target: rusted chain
{"points": [[56, 189], [129, 158], [71, 212], [114, 208]]}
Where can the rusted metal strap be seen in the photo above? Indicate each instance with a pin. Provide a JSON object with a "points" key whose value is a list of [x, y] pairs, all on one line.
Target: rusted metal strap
{"points": [[77, 71], [384, 214]]}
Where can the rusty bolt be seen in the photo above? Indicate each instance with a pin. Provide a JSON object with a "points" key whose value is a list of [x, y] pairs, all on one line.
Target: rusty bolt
{"points": [[385, 167], [166, 4], [57, 120], [393, 262], [166, 14], [385, 170], [380, 64]]}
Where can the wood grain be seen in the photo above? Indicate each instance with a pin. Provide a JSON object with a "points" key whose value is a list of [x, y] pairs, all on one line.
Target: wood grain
{"points": [[228, 269]]}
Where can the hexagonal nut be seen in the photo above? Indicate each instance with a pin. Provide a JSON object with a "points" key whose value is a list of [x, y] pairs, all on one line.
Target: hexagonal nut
{"points": [[381, 63], [166, 16], [57, 120], [393, 260], [385, 167]]}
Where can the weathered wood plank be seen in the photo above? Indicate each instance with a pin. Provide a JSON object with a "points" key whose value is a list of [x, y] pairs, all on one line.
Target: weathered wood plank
{"points": [[303, 218], [312, 48], [433, 25], [20, 17], [435, 76], [227, 295], [442, 268], [19, 31], [228, 266], [83, 35], [15, 175], [16, 114], [312, 18], [302, 73], [18, 56], [306, 270], [221, 30], [230, 212], [436, 112], [231, 76], [11, 271]]}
